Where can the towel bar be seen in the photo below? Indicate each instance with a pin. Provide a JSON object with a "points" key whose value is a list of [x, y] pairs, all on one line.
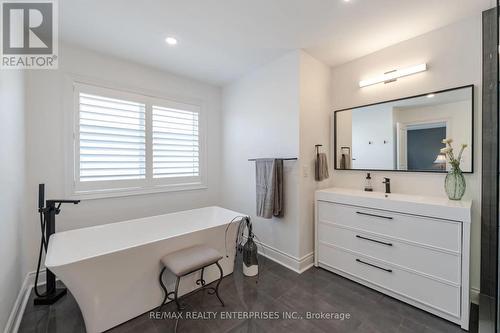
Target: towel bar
{"points": [[284, 159]]}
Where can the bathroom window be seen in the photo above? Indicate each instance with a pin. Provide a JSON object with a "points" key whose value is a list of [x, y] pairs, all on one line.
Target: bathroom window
{"points": [[176, 146], [127, 143], [112, 140]]}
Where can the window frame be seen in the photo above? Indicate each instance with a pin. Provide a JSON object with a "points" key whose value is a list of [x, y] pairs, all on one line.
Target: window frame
{"points": [[117, 188]]}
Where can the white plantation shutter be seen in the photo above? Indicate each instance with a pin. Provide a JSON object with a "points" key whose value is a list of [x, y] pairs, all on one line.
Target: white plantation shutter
{"points": [[176, 148], [132, 143], [112, 139]]}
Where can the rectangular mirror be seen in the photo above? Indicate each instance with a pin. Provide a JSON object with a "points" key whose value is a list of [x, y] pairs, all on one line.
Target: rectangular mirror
{"points": [[406, 134]]}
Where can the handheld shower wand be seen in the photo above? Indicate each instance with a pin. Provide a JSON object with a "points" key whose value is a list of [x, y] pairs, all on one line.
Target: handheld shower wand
{"points": [[48, 227]]}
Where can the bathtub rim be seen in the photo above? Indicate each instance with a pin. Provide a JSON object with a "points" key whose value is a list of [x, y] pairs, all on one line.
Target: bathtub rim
{"points": [[49, 264]]}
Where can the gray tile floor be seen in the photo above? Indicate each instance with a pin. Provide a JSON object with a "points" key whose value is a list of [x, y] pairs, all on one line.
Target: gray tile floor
{"points": [[277, 290]]}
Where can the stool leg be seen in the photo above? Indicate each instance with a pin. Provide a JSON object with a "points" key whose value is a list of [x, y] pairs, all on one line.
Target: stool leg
{"points": [[218, 283], [164, 289], [201, 281], [176, 293]]}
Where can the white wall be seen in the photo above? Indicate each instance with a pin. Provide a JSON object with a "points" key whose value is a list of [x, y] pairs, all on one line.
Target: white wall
{"points": [[454, 57], [48, 93], [372, 138], [279, 110], [315, 100], [12, 185], [261, 119]]}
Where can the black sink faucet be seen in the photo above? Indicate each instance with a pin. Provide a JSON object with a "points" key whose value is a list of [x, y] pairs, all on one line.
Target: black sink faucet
{"points": [[387, 182]]}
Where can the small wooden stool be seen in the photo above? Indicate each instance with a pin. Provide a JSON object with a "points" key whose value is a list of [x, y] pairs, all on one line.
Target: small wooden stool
{"points": [[187, 261]]}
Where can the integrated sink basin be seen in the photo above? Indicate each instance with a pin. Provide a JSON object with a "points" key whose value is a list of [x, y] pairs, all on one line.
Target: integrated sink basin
{"points": [[439, 207]]}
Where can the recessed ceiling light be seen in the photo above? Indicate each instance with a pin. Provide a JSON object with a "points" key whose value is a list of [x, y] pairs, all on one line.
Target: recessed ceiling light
{"points": [[171, 41], [430, 96]]}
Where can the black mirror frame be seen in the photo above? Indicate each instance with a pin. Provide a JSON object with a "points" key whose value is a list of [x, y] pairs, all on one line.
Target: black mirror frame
{"points": [[471, 86]]}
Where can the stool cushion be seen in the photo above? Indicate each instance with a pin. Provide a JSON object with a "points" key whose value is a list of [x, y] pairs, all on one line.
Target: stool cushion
{"points": [[190, 259]]}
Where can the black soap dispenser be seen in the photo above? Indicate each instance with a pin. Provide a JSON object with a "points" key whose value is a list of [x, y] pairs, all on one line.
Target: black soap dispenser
{"points": [[368, 183]]}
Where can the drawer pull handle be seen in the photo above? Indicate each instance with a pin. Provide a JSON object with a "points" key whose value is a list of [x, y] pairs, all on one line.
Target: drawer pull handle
{"points": [[372, 265], [373, 215], [373, 240]]}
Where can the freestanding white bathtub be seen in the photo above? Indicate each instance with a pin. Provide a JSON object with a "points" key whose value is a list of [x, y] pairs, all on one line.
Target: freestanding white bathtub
{"points": [[112, 270]]}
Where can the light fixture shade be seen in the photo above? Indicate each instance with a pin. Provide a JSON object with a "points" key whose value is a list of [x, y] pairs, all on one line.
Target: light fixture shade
{"points": [[440, 159], [393, 75]]}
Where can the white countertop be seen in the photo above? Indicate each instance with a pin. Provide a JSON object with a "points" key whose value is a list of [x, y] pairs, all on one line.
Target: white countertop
{"points": [[431, 206]]}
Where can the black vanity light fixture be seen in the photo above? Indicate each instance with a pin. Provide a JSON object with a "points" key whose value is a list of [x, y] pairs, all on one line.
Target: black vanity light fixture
{"points": [[393, 75]]}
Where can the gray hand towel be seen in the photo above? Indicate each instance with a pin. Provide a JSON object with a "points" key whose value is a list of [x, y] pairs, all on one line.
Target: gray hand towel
{"points": [[321, 167], [269, 187]]}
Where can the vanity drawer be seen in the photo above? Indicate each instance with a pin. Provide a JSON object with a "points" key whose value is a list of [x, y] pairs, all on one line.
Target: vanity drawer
{"points": [[442, 296], [444, 265], [443, 234]]}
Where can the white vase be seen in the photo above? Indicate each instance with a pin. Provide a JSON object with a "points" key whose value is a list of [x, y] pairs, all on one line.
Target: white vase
{"points": [[251, 270]]}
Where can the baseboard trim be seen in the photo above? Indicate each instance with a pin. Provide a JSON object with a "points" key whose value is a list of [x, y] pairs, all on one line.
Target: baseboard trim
{"points": [[306, 262], [16, 314], [293, 263]]}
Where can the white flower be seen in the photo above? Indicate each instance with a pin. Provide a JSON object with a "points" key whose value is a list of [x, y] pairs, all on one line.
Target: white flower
{"points": [[445, 150], [447, 141], [464, 145]]}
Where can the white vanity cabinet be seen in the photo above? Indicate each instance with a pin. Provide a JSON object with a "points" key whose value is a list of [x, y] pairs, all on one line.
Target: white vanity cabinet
{"points": [[413, 248]]}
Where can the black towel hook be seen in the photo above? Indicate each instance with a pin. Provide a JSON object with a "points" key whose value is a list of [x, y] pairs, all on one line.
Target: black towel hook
{"points": [[317, 149]]}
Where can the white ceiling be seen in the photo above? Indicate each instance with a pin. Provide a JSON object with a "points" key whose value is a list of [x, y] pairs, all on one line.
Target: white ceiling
{"points": [[220, 40]]}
